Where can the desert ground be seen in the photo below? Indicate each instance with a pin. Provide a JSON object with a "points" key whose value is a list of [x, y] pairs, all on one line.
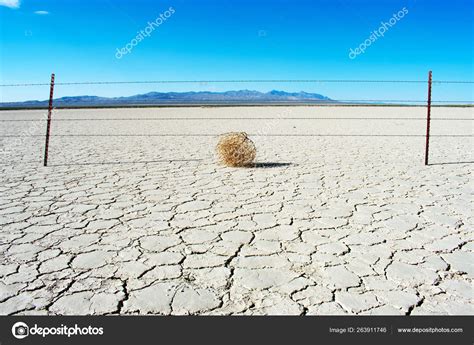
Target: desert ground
{"points": [[339, 216]]}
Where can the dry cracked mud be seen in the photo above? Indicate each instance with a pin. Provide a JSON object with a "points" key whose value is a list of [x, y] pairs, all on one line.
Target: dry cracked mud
{"points": [[340, 225]]}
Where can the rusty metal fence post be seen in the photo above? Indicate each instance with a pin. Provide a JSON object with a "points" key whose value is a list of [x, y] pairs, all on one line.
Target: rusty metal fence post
{"points": [[48, 125], [428, 119]]}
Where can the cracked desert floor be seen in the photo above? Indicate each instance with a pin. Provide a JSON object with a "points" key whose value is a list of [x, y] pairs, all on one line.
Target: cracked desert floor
{"points": [[341, 223]]}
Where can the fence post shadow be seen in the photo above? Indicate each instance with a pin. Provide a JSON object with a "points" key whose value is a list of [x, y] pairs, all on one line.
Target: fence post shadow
{"points": [[452, 163]]}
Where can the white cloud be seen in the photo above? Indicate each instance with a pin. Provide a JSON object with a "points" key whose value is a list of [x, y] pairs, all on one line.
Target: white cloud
{"points": [[10, 3], [41, 13]]}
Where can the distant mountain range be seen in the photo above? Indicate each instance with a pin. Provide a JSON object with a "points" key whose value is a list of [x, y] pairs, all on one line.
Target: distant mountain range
{"points": [[202, 97]]}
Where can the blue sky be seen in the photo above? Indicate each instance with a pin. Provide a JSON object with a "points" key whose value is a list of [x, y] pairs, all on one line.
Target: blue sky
{"points": [[232, 39]]}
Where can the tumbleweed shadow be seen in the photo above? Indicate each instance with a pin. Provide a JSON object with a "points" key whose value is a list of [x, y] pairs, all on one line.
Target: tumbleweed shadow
{"points": [[270, 165]]}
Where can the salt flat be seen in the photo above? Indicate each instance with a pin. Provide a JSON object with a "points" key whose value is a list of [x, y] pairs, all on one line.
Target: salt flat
{"points": [[331, 221]]}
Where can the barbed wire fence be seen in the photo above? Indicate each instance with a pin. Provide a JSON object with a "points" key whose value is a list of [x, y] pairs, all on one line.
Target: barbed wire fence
{"points": [[339, 102]]}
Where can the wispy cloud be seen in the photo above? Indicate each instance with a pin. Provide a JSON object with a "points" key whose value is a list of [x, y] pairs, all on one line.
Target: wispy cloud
{"points": [[41, 13], [10, 3]]}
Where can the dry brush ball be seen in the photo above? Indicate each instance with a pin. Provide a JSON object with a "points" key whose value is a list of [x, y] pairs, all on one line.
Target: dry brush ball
{"points": [[236, 150]]}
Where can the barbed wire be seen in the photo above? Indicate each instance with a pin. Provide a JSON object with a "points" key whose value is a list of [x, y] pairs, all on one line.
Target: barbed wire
{"points": [[309, 102], [249, 134], [401, 101], [240, 81], [240, 118], [332, 102]]}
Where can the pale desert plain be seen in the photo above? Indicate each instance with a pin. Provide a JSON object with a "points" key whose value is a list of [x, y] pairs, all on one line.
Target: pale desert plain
{"points": [[339, 216]]}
